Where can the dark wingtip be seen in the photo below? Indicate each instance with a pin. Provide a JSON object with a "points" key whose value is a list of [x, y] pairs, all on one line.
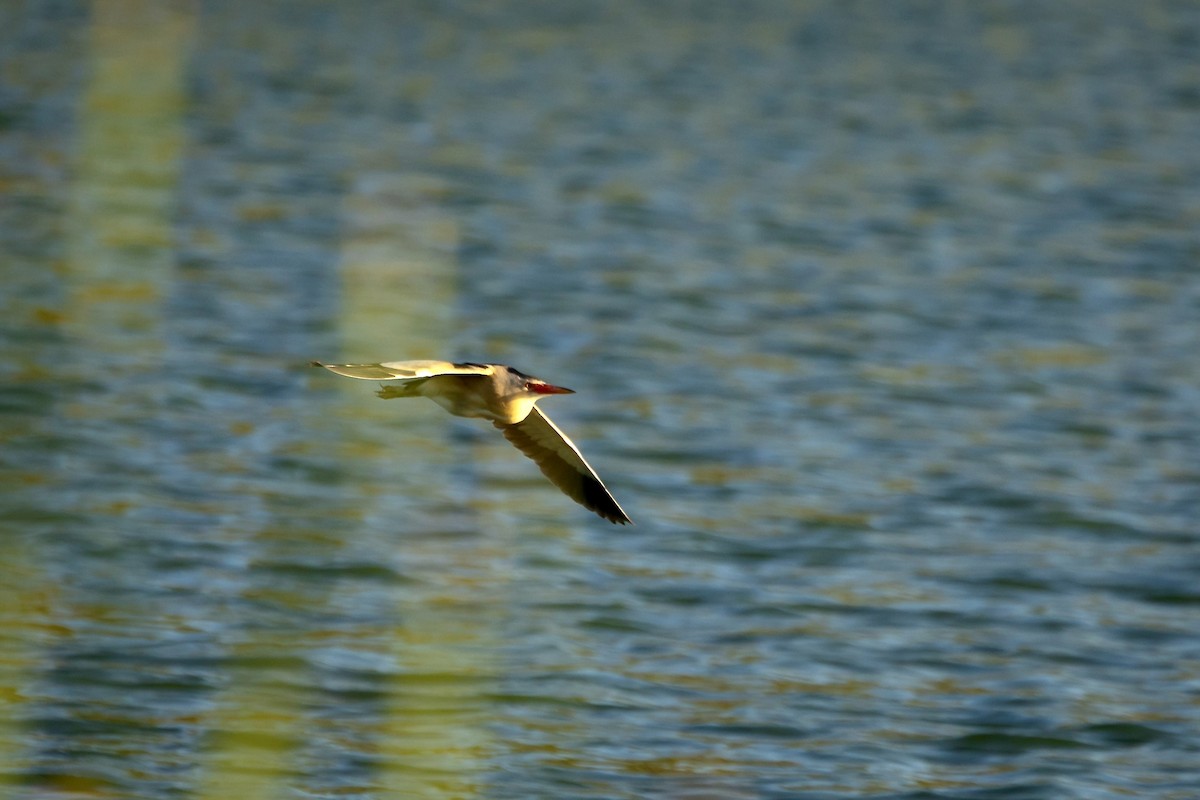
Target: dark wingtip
{"points": [[315, 364], [616, 516], [597, 498]]}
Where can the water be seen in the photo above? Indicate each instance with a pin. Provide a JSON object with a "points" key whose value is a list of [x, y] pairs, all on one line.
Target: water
{"points": [[882, 319]]}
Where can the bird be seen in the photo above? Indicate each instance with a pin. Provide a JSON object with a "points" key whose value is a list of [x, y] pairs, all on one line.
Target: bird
{"points": [[508, 398]]}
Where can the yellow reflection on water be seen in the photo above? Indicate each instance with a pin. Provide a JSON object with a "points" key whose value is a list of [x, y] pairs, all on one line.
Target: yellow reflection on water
{"points": [[257, 726], [126, 171], [24, 601], [399, 289], [118, 259]]}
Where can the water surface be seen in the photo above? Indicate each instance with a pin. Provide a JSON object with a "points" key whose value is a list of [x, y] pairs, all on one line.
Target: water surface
{"points": [[882, 319]]}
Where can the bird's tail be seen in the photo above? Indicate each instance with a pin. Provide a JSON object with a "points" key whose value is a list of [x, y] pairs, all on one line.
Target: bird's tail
{"points": [[394, 390], [378, 372], [366, 372]]}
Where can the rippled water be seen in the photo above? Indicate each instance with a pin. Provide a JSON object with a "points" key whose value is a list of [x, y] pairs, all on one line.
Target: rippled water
{"points": [[883, 320]]}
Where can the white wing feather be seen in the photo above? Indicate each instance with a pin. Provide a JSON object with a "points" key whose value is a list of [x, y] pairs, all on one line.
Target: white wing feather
{"points": [[405, 370], [560, 461]]}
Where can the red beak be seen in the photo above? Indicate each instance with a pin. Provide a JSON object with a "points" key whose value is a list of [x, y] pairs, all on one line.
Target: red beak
{"points": [[548, 388]]}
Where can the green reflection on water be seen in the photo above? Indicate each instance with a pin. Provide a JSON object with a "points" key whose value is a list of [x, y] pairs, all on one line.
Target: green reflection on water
{"points": [[399, 283], [24, 598]]}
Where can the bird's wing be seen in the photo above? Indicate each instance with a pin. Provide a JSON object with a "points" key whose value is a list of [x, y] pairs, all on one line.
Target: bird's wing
{"points": [[560, 461], [405, 370]]}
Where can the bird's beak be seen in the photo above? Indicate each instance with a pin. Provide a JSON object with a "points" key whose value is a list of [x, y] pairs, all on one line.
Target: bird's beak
{"points": [[549, 388]]}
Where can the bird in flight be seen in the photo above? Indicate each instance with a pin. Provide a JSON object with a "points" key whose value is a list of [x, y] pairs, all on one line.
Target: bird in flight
{"points": [[508, 398]]}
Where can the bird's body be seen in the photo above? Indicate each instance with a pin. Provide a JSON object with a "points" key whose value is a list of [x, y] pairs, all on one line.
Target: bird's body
{"points": [[506, 397]]}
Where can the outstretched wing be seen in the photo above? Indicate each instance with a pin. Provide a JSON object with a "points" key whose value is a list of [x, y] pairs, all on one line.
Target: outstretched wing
{"points": [[560, 461], [405, 370]]}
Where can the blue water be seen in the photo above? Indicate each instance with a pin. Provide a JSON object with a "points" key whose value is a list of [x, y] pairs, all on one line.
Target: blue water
{"points": [[882, 320]]}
